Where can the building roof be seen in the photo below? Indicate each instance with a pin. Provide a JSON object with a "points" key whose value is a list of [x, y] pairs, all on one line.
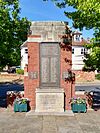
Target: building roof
{"points": [[24, 44], [79, 43], [77, 33]]}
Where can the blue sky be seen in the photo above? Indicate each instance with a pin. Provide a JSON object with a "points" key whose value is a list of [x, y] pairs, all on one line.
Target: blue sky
{"points": [[38, 10]]}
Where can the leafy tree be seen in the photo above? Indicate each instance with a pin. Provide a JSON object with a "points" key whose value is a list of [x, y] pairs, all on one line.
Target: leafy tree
{"points": [[92, 61], [13, 32], [86, 14]]}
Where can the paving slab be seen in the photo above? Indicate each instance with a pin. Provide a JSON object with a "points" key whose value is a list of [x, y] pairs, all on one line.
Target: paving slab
{"points": [[19, 122]]}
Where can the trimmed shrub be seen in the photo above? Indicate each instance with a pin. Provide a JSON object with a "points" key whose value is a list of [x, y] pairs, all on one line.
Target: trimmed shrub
{"points": [[97, 76], [20, 71]]}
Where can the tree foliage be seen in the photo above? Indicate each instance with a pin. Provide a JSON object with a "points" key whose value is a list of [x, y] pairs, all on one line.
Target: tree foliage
{"points": [[13, 32], [86, 14], [92, 61]]}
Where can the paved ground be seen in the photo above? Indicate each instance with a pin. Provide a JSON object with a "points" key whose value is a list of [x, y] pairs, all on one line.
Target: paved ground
{"points": [[11, 122], [87, 87]]}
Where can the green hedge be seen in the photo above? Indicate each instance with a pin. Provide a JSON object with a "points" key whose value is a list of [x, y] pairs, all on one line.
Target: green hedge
{"points": [[20, 71], [97, 76]]}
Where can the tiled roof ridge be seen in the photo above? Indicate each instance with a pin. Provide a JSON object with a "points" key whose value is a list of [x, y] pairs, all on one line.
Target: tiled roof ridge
{"points": [[80, 43]]}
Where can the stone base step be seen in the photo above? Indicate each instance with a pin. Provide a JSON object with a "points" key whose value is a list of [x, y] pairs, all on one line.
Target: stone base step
{"points": [[66, 113]]}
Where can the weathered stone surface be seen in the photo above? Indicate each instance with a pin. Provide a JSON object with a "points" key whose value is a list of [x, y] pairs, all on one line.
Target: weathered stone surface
{"points": [[49, 64], [49, 100], [54, 69], [49, 49], [49, 31], [44, 70]]}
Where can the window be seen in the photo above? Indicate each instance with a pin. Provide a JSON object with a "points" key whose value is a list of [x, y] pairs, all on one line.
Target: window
{"points": [[26, 51], [85, 51], [82, 51], [77, 38], [72, 50]]}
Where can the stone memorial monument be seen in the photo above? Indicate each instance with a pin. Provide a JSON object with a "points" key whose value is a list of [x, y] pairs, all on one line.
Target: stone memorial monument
{"points": [[48, 81]]}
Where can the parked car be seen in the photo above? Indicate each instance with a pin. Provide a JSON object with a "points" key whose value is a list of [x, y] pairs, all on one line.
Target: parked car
{"points": [[12, 70], [18, 67]]}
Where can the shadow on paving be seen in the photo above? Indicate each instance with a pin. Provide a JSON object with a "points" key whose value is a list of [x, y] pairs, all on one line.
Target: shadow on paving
{"points": [[93, 92], [8, 86], [96, 99]]}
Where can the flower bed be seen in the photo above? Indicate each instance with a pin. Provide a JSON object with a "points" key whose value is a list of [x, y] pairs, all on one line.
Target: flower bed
{"points": [[78, 105], [21, 105]]}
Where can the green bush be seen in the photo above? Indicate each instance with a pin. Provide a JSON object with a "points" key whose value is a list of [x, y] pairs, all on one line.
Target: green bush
{"points": [[20, 71], [97, 76]]}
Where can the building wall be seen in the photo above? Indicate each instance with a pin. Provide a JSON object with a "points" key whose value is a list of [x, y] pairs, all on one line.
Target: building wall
{"points": [[10, 77], [30, 85], [69, 86], [81, 76], [24, 57], [77, 58]]}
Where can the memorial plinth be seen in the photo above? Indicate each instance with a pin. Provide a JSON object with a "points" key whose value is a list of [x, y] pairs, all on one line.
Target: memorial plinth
{"points": [[49, 100], [46, 81]]}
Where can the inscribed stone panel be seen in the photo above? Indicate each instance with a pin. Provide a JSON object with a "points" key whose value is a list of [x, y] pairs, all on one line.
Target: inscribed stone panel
{"points": [[54, 69], [44, 69], [50, 49]]}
